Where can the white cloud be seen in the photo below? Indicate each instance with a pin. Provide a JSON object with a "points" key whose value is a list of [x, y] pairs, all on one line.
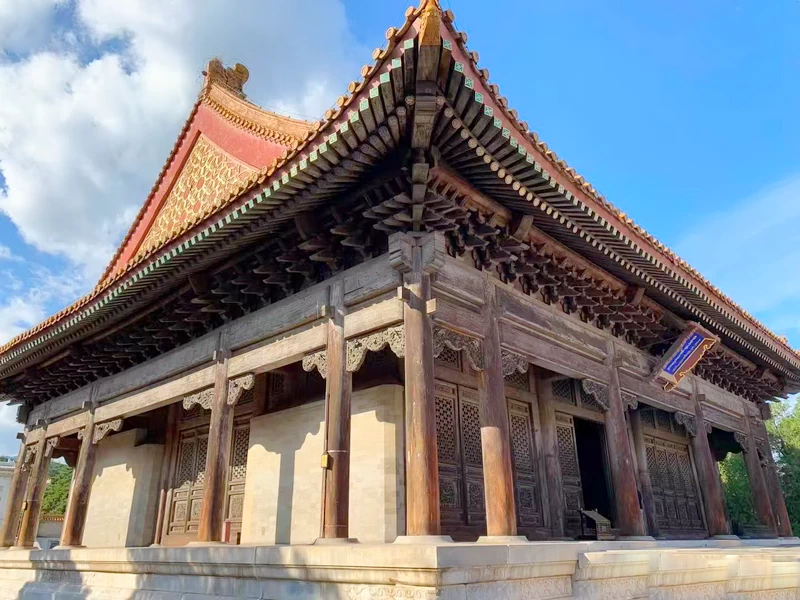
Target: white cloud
{"points": [[81, 143], [25, 24], [752, 253], [5, 253]]}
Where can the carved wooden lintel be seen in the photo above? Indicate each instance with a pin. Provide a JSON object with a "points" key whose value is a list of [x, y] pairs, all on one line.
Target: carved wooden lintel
{"points": [[318, 361], [630, 401], [394, 337], [205, 398], [472, 347], [599, 391], [50, 445], [513, 363], [688, 421], [237, 387], [741, 439], [101, 430]]}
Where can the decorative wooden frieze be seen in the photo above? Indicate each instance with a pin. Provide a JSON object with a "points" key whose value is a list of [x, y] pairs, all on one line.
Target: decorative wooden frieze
{"points": [[764, 451], [630, 401], [318, 361], [205, 398], [688, 421], [101, 430], [394, 337], [513, 363], [50, 445], [741, 439], [237, 387], [597, 390], [472, 347]]}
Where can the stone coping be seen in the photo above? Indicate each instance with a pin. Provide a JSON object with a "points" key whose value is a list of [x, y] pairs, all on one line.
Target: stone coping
{"points": [[434, 564]]}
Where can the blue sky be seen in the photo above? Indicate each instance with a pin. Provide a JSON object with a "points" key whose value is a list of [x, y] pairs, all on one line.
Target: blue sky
{"points": [[683, 114]]}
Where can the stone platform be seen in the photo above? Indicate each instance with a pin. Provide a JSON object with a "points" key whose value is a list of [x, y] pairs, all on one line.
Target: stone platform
{"points": [[711, 569]]}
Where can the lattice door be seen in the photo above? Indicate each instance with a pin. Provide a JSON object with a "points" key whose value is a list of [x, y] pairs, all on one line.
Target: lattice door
{"points": [[188, 482], [570, 473], [449, 451], [522, 454], [237, 471], [470, 427], [674, 487]]}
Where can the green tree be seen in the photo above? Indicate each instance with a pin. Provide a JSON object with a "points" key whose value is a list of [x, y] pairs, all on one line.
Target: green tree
{"points": [[736, 487], [784, 431], [54, 501]]}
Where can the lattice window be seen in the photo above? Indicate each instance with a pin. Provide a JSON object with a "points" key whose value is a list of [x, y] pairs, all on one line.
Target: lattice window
{"points": [[649, 418], [655, 472], [674, 488], [185, 472], [520, 442], [202, 455], [471, 433], [450, 358], [277, 386], [241, 444], [192, 413], [446, 422], [563, 391], [663, 420], [247, 396], [518, 380], [566, 452]]}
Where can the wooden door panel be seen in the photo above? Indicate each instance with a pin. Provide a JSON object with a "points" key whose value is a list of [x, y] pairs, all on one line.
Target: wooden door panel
{"points": [[570, 473]]}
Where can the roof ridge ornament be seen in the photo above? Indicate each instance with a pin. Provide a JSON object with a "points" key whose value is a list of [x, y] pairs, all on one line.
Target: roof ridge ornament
{"points": [[232, 78], [430, 33]]}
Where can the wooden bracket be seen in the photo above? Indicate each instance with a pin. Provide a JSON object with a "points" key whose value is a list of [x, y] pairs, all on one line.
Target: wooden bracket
{"points": [[325, 311], [430, 306], [404, 294], [325, 461]]}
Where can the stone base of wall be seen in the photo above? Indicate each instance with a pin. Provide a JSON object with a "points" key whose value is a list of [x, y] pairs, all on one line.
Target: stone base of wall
{"points": [[730, 569]]}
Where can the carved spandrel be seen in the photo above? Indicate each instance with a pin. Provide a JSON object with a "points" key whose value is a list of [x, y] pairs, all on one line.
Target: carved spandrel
{"points": [[237, 386], [50, 445], [630, 401], [394, 337], [513, 363], [689, 422], [318, 361], [472, 347], [101, 430], [599, 391], [205, 398], [742, 440], [709, 427]]}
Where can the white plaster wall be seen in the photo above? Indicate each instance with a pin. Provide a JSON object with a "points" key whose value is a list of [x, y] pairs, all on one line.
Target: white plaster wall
{"points": [[284, 477], [123, 499]]}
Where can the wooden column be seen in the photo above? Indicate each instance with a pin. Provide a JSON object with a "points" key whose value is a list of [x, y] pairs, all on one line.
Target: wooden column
{"points": [[708, 476], [498, 476], [16, 497], [170, 447], [33, 500], [212, 513], [78, 502], [626, 498], [555, 487], [784, 525], [338, 393], [645, 482], [758, 485], [417, 258]]}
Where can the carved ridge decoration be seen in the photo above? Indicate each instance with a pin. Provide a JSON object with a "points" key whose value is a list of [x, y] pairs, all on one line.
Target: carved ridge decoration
{"points": [[472, 347], [513, 363], [50, 445], [630, 401], [741, 439], [688, 421], [598, 390], [318, 361], [101, 430], [236, 387], [394, 337]]}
